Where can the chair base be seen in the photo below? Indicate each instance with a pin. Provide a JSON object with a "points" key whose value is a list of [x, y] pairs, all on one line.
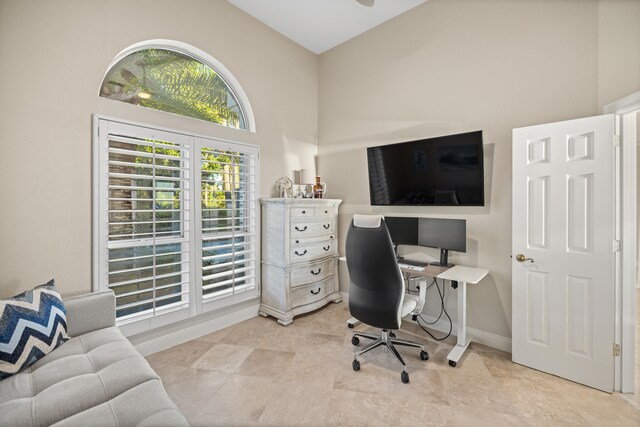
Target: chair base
{"points": [[387, 339]]}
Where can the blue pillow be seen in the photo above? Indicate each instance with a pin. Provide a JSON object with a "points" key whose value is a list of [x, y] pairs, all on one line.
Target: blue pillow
{"points": [[32, 324]]}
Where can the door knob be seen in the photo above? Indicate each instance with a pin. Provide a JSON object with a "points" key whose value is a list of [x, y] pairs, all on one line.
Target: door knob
{"points": [[522, 258]]}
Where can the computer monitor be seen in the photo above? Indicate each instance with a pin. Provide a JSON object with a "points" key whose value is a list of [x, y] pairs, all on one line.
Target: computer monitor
{"points": [[403, 231], [444, 234]]}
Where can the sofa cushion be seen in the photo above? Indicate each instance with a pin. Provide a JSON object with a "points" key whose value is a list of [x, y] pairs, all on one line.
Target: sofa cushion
{"points": [[32, 324], [142, 405], [97, 378]]}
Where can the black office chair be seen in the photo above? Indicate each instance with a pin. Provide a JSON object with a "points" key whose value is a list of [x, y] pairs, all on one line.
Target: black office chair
{"points": [[376, 291]]}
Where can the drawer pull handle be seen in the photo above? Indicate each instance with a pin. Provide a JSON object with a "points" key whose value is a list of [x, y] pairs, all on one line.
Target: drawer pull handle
{"points": [[316, 292], [326, 211], [304, 212], [326, 248], [331, 237], [326, 226], [301, 229], [315, 273], [297, 241], [305, 251]]}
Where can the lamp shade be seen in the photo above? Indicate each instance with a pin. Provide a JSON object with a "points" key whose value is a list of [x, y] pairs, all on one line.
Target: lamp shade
{"points": [[307, 176]]}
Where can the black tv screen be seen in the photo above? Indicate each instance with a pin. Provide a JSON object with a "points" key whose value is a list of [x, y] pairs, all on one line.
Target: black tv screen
{"points": [[441, 171]]}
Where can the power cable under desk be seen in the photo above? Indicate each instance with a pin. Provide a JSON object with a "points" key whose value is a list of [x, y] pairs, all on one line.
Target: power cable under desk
{"points": [[443, 309]]}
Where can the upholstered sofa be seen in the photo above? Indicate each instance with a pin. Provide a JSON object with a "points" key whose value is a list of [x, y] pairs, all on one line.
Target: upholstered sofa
{"points": [[97, 378]]}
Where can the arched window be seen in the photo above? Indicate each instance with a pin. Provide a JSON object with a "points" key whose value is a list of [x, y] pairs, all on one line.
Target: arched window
{"points": [[175, 221], [180, 79]]}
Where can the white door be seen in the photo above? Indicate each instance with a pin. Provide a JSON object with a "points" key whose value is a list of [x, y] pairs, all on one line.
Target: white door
{"points": [[563, 220]]}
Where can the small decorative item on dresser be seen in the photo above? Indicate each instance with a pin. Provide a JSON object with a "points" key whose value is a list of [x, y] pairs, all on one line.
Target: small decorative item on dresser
{"points": [[319, 189], [307, 191], [307, 178], [285, 187]]}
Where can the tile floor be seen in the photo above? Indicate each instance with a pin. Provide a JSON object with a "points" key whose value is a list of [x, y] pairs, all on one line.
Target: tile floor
{"points": [[260, 373]]}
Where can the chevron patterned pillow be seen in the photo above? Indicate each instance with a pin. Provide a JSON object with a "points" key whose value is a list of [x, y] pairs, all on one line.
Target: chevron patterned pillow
{"points": [[32, 324]]}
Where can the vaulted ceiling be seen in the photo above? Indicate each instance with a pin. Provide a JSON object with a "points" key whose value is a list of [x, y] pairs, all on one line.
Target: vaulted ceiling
{"points": [[320, 25]]}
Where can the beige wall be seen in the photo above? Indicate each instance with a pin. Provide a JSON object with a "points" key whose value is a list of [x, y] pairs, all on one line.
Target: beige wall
{"points": [[456, 66], [53, 56], [618, 50]]}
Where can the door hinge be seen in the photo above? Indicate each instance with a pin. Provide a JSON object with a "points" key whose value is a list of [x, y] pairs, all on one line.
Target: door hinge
{"points": [[616, 350], [616, 140], [616, 246]]}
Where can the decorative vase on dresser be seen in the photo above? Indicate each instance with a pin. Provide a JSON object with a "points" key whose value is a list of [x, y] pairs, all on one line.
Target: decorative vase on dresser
{"points": [[299, 256]]}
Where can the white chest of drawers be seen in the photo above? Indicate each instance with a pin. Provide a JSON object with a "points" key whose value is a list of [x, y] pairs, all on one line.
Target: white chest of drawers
{"points": [[299, 256]]}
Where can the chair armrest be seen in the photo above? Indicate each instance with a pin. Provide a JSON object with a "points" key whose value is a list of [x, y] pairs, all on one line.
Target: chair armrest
{"points": [[422, 297], [90, 312]]}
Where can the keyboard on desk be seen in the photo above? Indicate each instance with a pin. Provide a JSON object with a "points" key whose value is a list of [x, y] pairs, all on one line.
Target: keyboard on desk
{"points": [[412, 265]]}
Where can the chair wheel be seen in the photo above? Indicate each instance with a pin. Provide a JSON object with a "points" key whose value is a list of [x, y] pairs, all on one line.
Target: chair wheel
{"points": [[424, 355], [355, 341], [452, 363], [356, 365], [404, 376], [392, 334], [350, 325]]}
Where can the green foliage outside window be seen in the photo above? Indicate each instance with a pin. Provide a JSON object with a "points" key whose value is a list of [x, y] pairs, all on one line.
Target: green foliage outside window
{"points": [[174, 82], [220, 178]]}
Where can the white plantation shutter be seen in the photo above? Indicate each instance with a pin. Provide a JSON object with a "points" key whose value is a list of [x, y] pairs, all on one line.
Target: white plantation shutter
{"points": [[172, 210], [229, 227]]}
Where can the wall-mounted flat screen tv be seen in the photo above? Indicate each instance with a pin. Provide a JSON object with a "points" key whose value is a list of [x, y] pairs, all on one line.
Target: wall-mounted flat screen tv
{"points": [[441, 171]]}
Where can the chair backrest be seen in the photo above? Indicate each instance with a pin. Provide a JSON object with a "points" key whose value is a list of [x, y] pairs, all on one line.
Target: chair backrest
{"points": [[376, 290]]}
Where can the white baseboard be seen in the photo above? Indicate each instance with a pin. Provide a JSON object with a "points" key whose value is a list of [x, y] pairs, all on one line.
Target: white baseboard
{"points": [[481, 337], [189, 333]]}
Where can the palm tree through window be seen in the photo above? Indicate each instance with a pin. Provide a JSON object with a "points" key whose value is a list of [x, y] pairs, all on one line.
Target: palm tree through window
{"points": [[174, 82]]}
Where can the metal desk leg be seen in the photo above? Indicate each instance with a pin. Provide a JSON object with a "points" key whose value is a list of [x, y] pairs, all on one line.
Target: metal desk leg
{"points": [[463, 342]]}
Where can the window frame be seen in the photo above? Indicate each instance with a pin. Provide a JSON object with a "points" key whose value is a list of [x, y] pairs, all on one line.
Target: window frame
{"points": [[208, 304], [200, 56], [103, 127]]}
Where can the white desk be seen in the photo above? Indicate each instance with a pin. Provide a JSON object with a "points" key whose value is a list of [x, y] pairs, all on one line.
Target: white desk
{"points": [[462, 275]]}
